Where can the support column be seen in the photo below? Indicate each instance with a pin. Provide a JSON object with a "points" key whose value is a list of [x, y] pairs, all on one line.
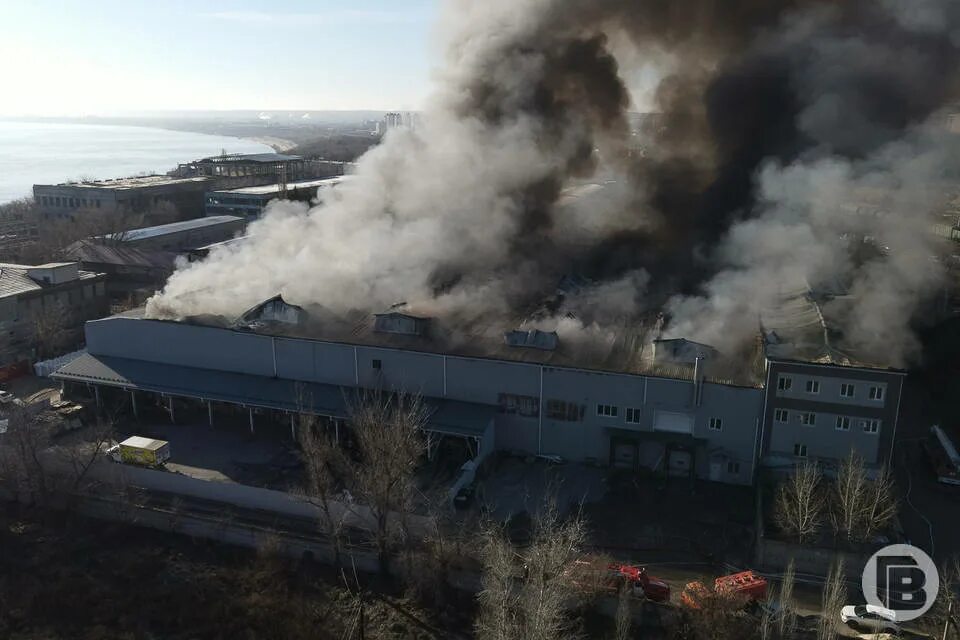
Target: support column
{"points": [[336, 431], [250, 411], [210, 412], [173, 417], [293, 427], [96, 394], [133, 403]]}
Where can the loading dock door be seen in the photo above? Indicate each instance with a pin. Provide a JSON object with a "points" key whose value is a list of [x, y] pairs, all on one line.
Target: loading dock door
{"points": [[625, 455], [673, 422]]}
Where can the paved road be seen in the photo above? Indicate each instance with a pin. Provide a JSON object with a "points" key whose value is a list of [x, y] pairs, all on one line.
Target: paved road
{"points": [[930, 512]]}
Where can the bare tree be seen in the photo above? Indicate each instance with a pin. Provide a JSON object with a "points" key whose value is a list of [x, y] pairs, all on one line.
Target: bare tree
{"points": [[548, 592], [388, 433], [21, 449], [850, 493], [324, 465], [862, 506], [624, 617], [537, 604], [82, 455], [799, 505], [786, 616], [943, 619], [498, 598], [880, 505], [53, 328], [834, 596]]}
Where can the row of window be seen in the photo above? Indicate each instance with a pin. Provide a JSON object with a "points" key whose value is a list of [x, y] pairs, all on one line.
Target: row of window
{"points": [[528, 406], [809, 418], [847, 389], [58, 201]]}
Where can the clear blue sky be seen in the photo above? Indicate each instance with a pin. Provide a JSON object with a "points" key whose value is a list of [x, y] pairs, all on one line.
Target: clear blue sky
{"points": [[101, 56]]}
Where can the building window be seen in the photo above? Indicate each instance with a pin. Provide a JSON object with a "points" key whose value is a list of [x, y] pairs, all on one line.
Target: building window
{"points": [[846, 390], [716, 424], [813, 386], [876, 393], [633, 415], [785, 383], [800, 450], [733, 468], [567, 411], [377, 364], [781, 415], [843, 423], [512, 404], [607, 410], [808, 418], [871, 426]]}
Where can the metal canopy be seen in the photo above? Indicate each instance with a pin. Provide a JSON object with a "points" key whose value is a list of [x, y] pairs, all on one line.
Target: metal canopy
{"points": [[447, 417]]}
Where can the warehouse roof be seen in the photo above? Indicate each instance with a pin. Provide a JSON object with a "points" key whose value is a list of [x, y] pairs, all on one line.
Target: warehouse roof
{"points": [[273, 189], [173, 227], [136, 182], [96, 253]]}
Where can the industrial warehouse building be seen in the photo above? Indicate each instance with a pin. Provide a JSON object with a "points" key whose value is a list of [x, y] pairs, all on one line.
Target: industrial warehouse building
{"points": [[249, 202], [177, 236], [526, 393]]}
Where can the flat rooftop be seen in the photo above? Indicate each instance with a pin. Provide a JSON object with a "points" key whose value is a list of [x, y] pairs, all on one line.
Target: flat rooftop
{"points": [[137, 182], [173, 227], [271, 189]]}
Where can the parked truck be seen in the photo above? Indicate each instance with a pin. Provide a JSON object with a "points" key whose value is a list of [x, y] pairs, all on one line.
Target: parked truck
{"points": [[609, 577], [743, 588], [138, 450]]}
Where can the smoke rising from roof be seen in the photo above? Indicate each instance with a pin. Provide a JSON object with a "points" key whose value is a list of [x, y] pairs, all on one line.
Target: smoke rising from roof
{"points": [[772, 114]]}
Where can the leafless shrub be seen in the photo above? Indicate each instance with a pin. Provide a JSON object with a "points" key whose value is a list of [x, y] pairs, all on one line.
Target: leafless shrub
{"points": [[624, 618], [786, 616], [800, 503], [834, 597]]}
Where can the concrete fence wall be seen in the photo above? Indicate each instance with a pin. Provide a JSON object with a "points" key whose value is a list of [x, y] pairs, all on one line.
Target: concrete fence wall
{"points": [[247, 497]]}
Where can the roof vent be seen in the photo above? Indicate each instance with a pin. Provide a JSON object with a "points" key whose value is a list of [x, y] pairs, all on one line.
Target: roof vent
{"points": [[535, 339], [400, 323]]}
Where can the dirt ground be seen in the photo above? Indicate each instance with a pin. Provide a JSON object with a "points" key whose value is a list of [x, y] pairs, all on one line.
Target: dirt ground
{"points": [[68, 578]]}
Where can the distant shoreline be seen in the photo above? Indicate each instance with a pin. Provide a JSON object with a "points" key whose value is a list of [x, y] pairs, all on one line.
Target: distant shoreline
{"points": [[280, 145]]}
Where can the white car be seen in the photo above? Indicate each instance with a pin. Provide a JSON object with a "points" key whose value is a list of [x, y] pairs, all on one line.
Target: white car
{"points": [[870, 617]]}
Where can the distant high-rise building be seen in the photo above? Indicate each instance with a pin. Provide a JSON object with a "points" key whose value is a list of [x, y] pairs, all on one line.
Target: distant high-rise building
{"points": [[392, 121]]}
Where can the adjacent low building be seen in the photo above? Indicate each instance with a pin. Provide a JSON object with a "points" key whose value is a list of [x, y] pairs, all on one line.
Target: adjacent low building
{"points": [[178, 237], [135, 195], [133, 273], [249, 202], [42, 311]]}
